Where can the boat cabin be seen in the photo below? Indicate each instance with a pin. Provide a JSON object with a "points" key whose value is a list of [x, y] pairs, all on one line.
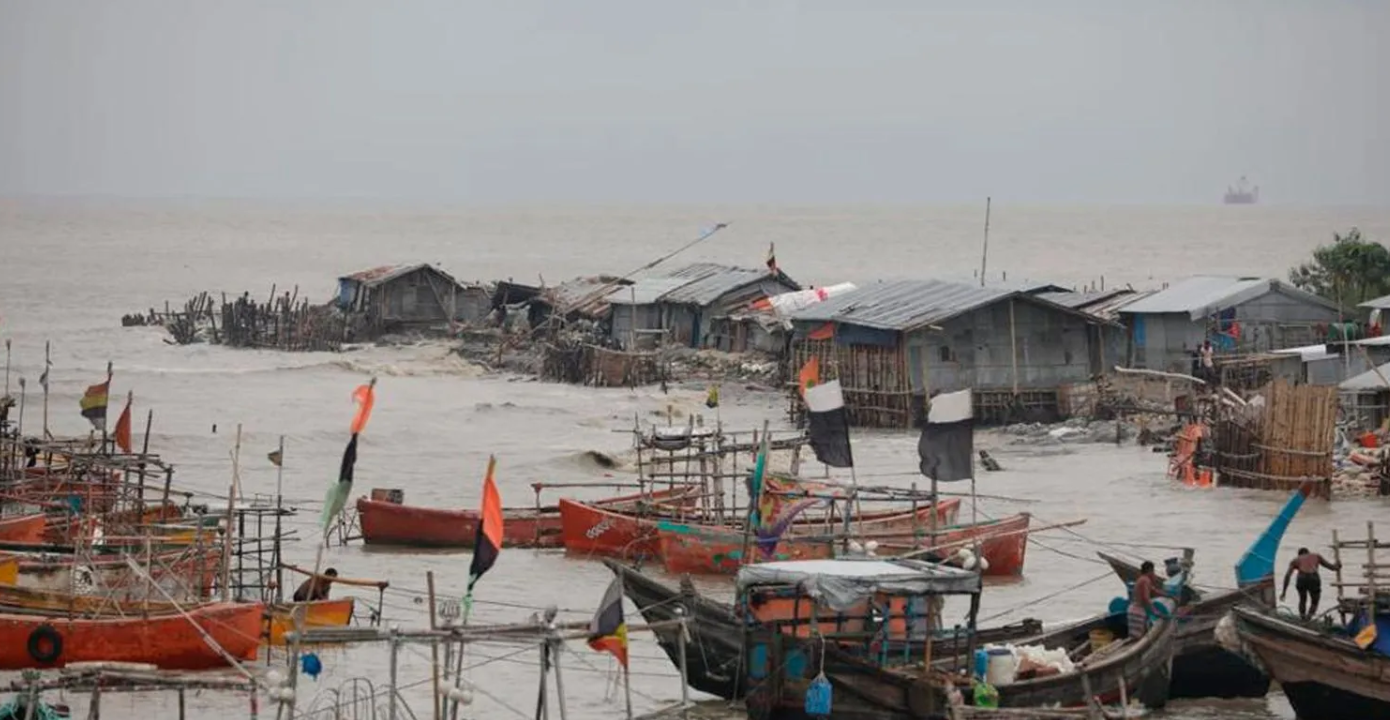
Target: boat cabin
{"points": [[802, 616]]}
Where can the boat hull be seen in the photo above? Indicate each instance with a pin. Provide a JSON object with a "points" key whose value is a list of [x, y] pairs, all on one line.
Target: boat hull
{"points": [[180, 574], [708, 550], [1201, 667], [621, 527], [386, 523], [171, 641], [1323, 677], [23, 528], [713, 651], [317, 614], [1003, 543]]}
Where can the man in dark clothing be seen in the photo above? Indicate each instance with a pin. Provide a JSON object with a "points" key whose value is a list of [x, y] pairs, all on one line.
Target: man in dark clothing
{"points": [[315, 588], [1309, 584]]}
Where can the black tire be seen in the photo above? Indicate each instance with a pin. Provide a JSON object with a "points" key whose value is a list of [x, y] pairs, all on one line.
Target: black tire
{"points": [[45, 644]]}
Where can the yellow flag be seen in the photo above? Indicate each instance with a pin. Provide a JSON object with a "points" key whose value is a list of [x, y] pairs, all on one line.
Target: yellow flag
{"points": [[1366, 636]]}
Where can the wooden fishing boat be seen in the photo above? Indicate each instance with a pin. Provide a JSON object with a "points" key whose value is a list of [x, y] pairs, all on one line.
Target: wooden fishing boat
{"points": [[1202, 668], [1003, 543], [23, 528], [624, 529], [707, 549], [181, 573], [715, 644], [1321, 669], [175, 641], [593, 530], [864, 618], [388, 523], [317, 614]]}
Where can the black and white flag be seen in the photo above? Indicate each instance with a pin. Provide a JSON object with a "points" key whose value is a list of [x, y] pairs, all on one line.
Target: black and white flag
{"points": [[829, 424], [947, 445]]}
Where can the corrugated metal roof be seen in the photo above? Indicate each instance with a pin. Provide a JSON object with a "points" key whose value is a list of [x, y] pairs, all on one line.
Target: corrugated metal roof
{"points": [[902, 304], [1103, 304], [386, 273], [579, 295], [1369, 380], [1203, 295], [645, 291], [714, 282], [1381, 303]]}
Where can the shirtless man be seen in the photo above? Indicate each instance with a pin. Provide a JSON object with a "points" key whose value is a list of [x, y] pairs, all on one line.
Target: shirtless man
{"points": [[1309, 584], [1141, 605]]}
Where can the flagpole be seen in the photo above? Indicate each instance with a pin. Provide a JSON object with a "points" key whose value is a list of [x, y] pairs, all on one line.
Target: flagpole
{"points": [[279, 485], [46, 364], [231, 525], [7, 367], [105, 417], [627, 676], [19, 425]]}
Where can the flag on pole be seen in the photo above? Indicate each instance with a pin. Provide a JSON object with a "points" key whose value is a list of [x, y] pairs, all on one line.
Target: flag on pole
{"points": [[947, 444], [712, 397], [338, 492], [755, 481], [123, 425], [93, 403], [772, 258], [809, 376], [275, 458], [776, 511], [488, 542], [608, 629], [365, 396], [829, 425]]}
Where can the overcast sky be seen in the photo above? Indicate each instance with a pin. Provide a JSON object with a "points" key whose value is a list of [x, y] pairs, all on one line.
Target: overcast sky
{"points": [[1044, 101]]}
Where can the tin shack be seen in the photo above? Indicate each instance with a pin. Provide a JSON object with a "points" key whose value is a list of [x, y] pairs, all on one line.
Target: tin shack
{"points": [[400, 297]]}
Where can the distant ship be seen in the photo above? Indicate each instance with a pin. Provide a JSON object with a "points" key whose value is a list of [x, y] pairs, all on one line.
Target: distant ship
{"points": [[1242, 193]]}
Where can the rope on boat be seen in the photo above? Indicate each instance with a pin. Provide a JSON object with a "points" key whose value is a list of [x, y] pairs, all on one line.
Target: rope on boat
{"points": [[1104, 576]]}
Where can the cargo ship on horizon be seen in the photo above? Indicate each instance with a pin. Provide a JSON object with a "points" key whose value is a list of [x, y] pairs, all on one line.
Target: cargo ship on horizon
{"points": [[1242, 193]]}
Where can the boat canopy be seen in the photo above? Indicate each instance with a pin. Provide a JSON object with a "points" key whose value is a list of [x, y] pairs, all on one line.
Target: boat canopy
{"points": [[841, 584]]}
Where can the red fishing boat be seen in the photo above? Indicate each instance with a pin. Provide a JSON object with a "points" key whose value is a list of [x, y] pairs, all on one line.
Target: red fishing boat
{"points": [[23, 528], [705, 549], [390, 523], [173, 641], [181, 573], [1002, 543]]}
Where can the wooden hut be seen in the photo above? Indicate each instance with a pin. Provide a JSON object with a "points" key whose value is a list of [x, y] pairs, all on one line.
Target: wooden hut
{"points": [[1017, 350], [410, 296], [686, 306]]}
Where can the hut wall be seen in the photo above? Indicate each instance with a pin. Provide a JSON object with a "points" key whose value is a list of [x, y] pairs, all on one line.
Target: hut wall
{"points": [[648, 317], [1272, 321], [976, 350]]}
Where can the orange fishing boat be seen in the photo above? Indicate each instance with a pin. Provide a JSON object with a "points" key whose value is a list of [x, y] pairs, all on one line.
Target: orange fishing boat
{"points": [[705, 549], [389, 523], [621, 529], [180, 573], [317, 614], [23, 528], [172, 641]]}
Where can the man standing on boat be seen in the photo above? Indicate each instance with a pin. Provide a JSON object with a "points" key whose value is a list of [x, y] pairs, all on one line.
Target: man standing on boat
{"points": [[1141, 603], [1309, 583]]}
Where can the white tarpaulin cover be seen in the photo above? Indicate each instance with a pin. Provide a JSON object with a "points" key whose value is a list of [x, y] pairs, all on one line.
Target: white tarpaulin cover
{"points": [[840, 584]]}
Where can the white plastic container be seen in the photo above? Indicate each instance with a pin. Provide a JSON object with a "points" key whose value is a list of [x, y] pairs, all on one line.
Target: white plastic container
{"points": [[1003, 666]]}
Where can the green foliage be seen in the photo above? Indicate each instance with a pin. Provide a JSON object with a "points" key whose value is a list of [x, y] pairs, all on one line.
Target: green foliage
{"points": [[1350, 270]]}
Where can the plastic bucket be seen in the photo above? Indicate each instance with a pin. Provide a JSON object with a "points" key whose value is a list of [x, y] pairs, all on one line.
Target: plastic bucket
{"points": [[981, 663], [1101, 637], [1002, 667]]}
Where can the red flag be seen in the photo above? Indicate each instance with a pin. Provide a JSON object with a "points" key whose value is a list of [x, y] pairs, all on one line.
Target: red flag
{"points": [[809, 376], [608, 629], [123, 426]]}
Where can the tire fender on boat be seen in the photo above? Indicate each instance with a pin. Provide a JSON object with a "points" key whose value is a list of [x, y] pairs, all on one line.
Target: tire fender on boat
{"points": [[45, 644]]}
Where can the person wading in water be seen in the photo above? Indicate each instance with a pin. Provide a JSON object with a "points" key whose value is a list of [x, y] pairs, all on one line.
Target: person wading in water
{"points": [[1141, 603], [1309, 584]]}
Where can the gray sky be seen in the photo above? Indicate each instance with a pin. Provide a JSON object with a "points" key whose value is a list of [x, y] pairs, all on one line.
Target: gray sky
{"points": [[1042, 101]]}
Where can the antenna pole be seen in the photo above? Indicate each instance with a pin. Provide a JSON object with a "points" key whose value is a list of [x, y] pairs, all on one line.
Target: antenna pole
{"points": [[984, 253]]}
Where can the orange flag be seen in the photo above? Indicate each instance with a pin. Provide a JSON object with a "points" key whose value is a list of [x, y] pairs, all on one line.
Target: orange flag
{"points": [[365, 395], [488, 542], [809, 375], [123, 425]]}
